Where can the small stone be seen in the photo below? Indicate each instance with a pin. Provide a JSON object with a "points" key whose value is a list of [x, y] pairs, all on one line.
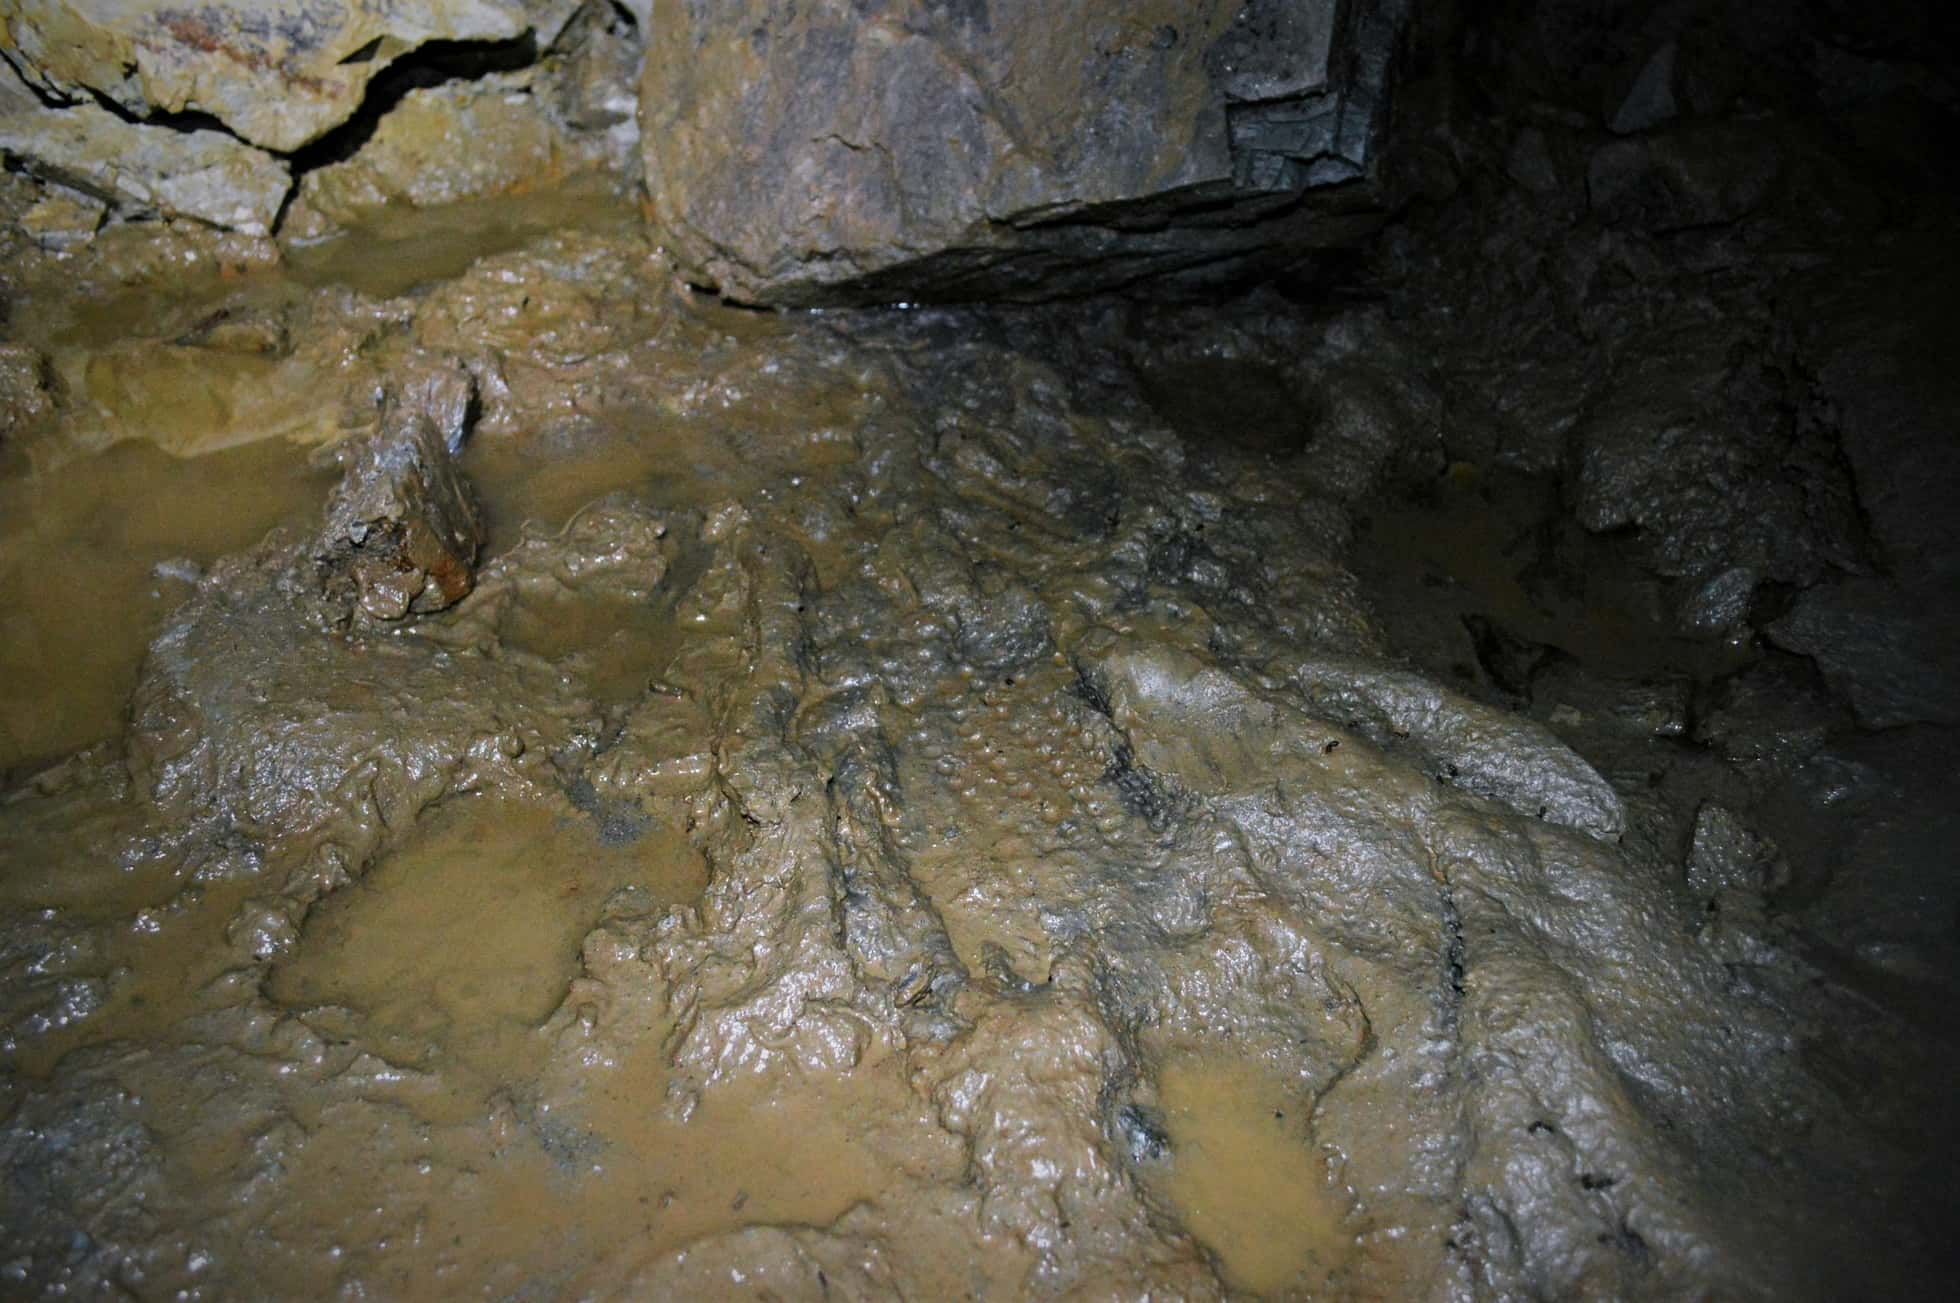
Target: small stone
{"points": [[1726, 855], [402, 528], [1650, 101], [64, 220], [1719, 605]]}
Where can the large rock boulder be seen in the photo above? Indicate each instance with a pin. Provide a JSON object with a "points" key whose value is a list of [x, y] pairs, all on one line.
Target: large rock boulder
{"points": [[280, 73], [833, 152]]}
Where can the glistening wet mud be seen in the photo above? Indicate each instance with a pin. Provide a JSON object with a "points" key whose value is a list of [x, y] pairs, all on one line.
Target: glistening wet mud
{"points": [[869, 804], [94, 553]]}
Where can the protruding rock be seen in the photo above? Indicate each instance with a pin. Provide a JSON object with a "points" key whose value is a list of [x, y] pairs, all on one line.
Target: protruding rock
{"points": [[1650, 101], [1727, 855], [1701, 176], [1719, 604], [279, 73], [205, 175], [65, 219], [402, 529], [1006, 148], [1890, 650]]}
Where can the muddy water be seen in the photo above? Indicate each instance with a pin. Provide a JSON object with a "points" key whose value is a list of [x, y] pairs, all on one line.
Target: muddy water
{"points": [[1246, 1178], [616, 647], [543, 482], [1494, 547], [393, 250], [452, 952], [893, 819], [95, 551]]}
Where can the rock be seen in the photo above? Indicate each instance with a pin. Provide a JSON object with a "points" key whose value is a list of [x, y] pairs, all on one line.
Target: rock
{"points": [[25, 388], [596, 74], [1719, 605], [1692, 446], [1890, 650], [206, 175], [1776, 713], [64, 220], [402, 530], [280, 74], [1726, 855], [14, 95], [1495, 754], [1004, 148], [505, 133], [1650, 101], [1876, 341], [464, 140], [1700, 176]]}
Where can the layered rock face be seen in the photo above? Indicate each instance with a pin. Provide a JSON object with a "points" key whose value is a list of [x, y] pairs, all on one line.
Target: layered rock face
{"points": [[264, 121], [279, 75], [1001, 148], [205, 175], [795, 156]]}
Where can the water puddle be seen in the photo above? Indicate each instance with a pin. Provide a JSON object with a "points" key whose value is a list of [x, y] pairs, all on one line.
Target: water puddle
{"points": [[753, 1152], [1495, 553], [396, 249], [1246, 1180], [452, 951], [614, 647], [673, 462], [520, 1203], [544, 479], [80, 591]]}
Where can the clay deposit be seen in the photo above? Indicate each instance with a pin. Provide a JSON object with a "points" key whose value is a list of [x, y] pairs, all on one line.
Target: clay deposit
{"points": [[1425, 777]]}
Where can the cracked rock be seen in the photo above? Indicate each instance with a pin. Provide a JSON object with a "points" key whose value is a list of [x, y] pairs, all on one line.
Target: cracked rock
{"points": [[280, 74], [802, 156], [141, 170]]}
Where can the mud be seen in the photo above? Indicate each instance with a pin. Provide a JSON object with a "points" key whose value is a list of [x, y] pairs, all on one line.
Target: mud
{"points": [[94, 554], [904, 803]]}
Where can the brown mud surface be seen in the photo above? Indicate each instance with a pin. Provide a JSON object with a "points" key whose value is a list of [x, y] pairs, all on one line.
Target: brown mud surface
{"points": [[857, 805]]}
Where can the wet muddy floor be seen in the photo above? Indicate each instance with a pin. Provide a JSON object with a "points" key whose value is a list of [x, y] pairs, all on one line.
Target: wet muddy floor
{"points": [[862, 804]]}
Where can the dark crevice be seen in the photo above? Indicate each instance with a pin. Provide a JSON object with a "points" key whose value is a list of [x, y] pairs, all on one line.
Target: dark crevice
{"points": [[363, 55], [435, 63], [47, 97], [1453, 957], [183, 121], [1086, 688], [1141, 792]]}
